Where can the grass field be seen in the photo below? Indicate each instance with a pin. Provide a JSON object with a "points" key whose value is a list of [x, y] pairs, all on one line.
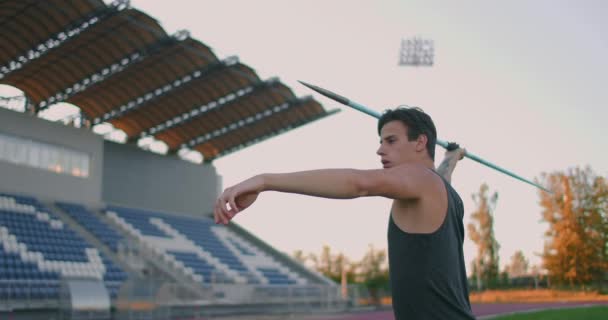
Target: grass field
{"points": [[590, 313]]}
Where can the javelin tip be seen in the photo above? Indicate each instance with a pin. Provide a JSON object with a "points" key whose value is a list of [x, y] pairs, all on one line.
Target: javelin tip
{"points": [[327, 93]]}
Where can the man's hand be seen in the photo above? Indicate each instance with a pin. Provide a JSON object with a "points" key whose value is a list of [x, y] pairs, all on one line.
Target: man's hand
{"points": [[455, 149], [453, 153], [239, 197], [456, 153]]}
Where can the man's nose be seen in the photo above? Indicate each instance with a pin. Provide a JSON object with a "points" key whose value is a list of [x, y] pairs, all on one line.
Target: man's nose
{"points": [[380, 151]]}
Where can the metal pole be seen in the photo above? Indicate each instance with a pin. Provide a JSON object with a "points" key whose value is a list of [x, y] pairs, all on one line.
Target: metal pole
{"points": [[444, 144]]}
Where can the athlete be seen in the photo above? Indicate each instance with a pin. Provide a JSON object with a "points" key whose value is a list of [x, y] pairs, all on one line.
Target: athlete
{"points": [[425, 233]]}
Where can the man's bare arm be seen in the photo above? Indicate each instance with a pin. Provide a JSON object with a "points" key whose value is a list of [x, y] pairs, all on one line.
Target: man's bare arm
{"points": [[447, 166], [401, 182]]}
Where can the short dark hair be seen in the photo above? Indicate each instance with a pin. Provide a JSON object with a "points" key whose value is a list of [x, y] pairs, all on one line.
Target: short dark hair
{"points": [[417, 123]]}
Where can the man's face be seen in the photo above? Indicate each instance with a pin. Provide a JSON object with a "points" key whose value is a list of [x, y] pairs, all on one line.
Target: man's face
{"points": [[395, 148]]}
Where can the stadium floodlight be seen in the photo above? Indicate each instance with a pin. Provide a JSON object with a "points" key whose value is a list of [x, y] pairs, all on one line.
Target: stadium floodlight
{"points": [[416, 52]]}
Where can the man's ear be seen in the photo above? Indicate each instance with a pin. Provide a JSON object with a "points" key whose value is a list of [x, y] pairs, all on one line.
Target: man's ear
{"points": [[421, 142]]}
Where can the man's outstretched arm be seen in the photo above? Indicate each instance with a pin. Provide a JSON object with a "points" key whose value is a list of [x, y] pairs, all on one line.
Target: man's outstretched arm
{"points": [[451, 158], [401, 182]]}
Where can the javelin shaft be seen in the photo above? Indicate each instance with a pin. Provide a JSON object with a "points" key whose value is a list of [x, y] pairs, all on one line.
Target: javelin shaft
{"points": [[442, 143]]}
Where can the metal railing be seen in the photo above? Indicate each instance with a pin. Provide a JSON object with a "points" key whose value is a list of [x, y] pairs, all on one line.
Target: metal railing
{"points": [[30, 294], [140, 298]]}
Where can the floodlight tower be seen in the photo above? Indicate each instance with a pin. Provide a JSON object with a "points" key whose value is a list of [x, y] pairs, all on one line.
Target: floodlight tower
{"points": [[417, 52]]}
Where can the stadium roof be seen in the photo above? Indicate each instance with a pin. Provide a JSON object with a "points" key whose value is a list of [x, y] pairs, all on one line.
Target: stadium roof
{"points": [[118, 65]]}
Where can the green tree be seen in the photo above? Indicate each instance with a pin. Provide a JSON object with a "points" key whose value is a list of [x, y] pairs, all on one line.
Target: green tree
{"points": [[325, 262], [333, 266], [373, 272], [518, 266], [343, 267], [300, 257], [481, 231]]}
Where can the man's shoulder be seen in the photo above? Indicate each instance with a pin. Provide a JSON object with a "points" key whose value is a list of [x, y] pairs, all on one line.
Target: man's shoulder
{"points": [[409, 169], [428, 182]]}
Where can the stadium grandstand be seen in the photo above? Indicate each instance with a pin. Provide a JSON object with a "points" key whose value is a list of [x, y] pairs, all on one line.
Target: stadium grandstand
{"points": [[97, 226]]}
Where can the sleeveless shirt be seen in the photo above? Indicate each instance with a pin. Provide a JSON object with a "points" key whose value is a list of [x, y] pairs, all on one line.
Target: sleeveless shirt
{"points": [[427, 271]]}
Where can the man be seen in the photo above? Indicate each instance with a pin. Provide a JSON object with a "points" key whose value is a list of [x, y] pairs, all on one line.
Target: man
{"points": [[425, 234]]}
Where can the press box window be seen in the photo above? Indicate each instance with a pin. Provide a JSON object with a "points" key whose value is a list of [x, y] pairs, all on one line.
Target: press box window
{"points": [[44, 156]]}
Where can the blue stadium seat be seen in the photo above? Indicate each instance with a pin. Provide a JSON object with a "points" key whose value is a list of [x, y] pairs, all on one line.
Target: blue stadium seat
{"points": [[37, 248], [195, 229], [92, 223], [275, 276], [199, 230], [140, 219]]}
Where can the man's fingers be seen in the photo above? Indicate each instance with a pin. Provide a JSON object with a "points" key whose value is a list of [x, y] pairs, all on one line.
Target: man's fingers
{"points": [[233, 208], [223, 218], [223, 210], [219, 211], [224, 214], [228, 199]]}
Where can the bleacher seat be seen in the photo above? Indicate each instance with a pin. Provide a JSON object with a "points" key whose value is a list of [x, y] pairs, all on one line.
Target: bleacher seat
{"points": [[37, 249], [199, 266], [274, 276], [208, 252], [92, 223]]}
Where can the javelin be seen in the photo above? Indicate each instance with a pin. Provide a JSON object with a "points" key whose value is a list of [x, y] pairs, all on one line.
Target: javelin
{"points": [[442, 143]]}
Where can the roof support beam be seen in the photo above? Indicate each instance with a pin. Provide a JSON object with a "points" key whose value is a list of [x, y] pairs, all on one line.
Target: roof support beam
{"points": [[107, 71], [272, 134], [253, 119], [76, 28], [164, 89], [200, 111]]}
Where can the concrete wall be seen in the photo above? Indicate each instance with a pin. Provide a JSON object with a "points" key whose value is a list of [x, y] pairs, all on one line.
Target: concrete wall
{"points": [[137, 178], [46, 184], [118, 174]]}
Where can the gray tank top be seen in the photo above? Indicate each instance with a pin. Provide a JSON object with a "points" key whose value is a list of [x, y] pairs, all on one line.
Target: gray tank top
{"points": [[427, 271]]}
